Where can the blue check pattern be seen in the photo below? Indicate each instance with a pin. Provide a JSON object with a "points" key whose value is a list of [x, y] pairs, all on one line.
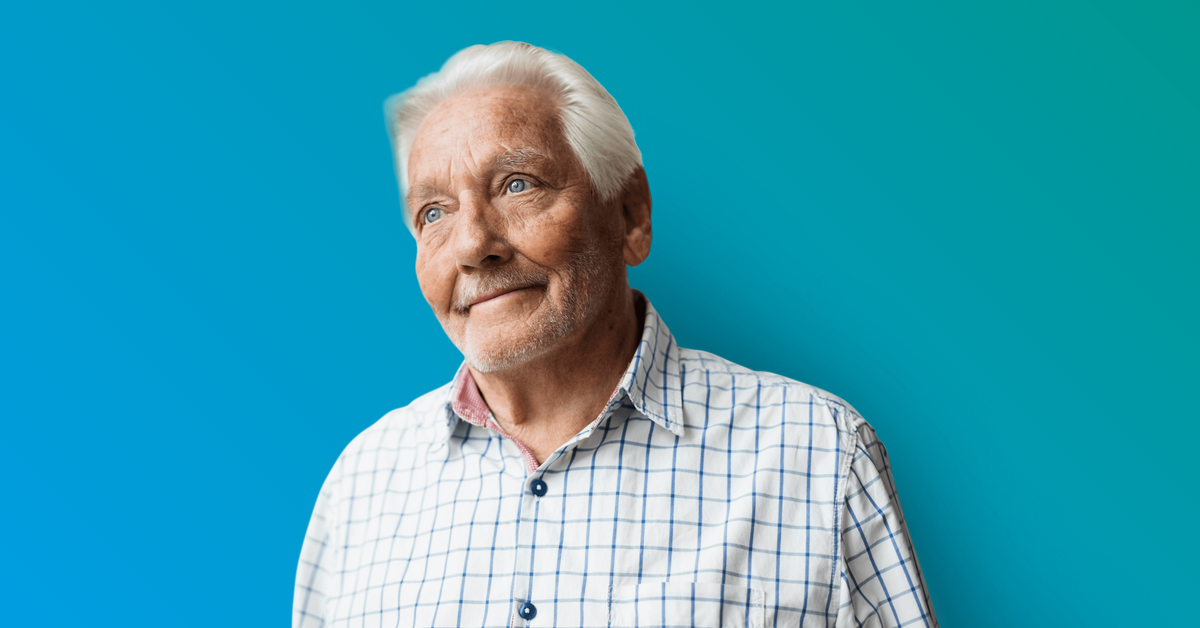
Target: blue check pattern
{"points": [[705, 494]]}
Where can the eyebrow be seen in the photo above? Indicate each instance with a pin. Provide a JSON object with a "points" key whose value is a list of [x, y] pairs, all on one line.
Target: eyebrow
{"points": [[518, 159], [423, 190]]}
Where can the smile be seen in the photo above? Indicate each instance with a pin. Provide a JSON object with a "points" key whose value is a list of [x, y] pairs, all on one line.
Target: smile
{"points": [[492, 296]]}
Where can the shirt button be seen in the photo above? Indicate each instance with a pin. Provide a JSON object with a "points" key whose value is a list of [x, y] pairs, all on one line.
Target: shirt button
{"points": [[527, 611], [538, 487]]}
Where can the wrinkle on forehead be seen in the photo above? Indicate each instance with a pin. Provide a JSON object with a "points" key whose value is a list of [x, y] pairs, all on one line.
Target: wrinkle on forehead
{"points": [[478, 132]]}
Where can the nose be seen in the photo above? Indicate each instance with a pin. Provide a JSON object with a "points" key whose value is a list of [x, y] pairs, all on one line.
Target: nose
{"points": [[478, 235]]}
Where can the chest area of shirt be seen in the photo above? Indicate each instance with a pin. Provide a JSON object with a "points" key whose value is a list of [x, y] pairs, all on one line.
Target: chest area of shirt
{"points": [[632, 521]]}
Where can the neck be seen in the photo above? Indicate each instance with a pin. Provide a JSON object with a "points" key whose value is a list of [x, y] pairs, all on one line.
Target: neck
{"points": [[545, 402]]}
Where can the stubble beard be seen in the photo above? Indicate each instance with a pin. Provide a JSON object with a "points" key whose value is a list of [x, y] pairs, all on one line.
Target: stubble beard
{"points": [[587, 282]]}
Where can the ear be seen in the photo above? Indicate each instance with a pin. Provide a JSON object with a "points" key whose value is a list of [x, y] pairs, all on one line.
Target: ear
{"points": [[635, 215]]}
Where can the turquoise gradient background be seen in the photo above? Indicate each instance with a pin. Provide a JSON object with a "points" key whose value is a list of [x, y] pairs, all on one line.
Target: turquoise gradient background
{"points": [[976, 222]]}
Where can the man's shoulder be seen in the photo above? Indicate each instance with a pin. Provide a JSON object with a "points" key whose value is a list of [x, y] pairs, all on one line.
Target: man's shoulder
{"points": [[768, 394], [414, 425]]}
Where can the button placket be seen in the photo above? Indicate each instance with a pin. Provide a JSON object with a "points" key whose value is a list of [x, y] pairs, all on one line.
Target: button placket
{"points": [[535, 488], [531, 538]]}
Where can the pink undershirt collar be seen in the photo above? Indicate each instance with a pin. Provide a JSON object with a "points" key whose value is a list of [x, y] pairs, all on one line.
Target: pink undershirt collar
{"points": [[469, 404]]}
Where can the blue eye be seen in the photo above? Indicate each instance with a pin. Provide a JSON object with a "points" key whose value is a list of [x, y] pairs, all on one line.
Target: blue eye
{"points": [[517, 185], [433, 214]]}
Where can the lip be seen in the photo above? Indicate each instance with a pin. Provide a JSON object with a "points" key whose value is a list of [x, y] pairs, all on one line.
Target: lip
{"points": [[498, 293]]}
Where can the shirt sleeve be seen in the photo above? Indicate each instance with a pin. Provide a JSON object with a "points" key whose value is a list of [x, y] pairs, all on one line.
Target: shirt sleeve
{"points": [[314, 572], [881, 582]]}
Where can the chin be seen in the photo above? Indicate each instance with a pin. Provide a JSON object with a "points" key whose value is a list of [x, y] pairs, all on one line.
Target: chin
{"points": [[490, 354], [491, 361]]}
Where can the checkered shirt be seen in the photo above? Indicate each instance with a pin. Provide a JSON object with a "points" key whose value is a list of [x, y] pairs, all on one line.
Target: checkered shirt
{"points": [[705, 494]]}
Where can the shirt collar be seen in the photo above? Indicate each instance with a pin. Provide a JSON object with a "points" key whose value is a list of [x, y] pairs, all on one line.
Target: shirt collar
{"points": [[652, 381]]}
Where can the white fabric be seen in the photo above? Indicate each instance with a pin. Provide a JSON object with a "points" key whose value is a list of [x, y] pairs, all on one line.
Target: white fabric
{"points": [[706, 494]]}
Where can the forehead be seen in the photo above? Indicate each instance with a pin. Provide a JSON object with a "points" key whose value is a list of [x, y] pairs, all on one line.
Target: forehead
{"points": [[477, 125]]}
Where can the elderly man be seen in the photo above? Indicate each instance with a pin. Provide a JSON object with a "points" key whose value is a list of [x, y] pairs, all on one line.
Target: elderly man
{"points": [[581, 469]]}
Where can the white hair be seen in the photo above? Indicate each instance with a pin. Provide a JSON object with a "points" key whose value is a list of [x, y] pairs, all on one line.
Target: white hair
{"points": [[591, 119]]}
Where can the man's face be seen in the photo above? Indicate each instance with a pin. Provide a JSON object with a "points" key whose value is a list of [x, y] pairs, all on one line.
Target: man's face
{"points": [[514, 254]]}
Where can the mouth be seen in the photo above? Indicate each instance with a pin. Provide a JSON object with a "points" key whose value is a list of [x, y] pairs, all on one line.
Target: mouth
{"points": [[491, 296]]}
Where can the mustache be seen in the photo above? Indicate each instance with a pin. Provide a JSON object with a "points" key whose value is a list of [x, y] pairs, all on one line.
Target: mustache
{"points": [[503, 279]]}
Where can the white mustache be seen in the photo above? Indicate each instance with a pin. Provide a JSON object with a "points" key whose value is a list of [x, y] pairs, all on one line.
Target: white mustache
{"points": [[504, 279]]}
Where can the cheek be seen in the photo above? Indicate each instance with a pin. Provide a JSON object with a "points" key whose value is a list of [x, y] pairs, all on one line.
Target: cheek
{"points": [[437, 285], [553, 237]]}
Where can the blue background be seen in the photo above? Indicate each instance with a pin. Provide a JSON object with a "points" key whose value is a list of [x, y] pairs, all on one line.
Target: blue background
{"points": [[978, 224]]}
